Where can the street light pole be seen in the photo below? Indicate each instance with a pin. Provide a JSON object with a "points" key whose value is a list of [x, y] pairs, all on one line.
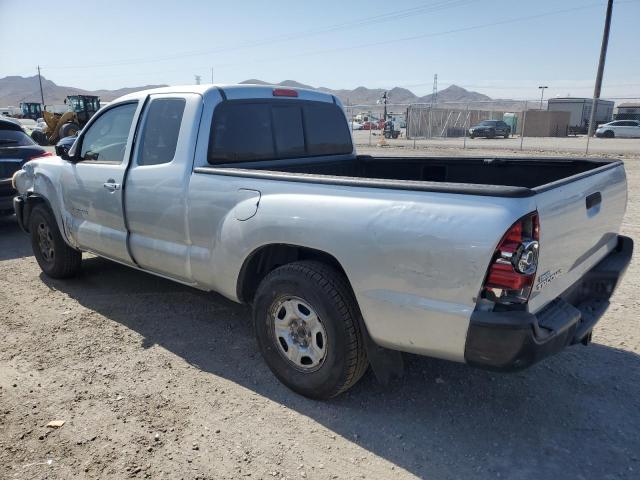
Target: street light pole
{"points": [[542, 94], [603, 56], [41, 91]]}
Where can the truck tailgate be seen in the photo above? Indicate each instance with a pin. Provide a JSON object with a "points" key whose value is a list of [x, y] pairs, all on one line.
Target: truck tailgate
{"points": [[579, 222]]}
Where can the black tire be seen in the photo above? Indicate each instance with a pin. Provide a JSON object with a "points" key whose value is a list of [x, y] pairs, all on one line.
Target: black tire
{"points": [[68, 130], [507, 135], [40, 138], [472, 136], [609, 134], [327, 292], [55, 257]]}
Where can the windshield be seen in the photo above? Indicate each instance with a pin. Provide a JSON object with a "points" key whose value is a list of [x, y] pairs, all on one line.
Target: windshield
{"points": [[488, 123], [13, 138]]}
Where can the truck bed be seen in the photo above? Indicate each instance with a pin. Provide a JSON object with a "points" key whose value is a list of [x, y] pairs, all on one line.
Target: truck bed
{"points": [[517, 177]]}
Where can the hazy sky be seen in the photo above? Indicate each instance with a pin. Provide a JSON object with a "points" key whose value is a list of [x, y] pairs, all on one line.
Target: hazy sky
{"points": [[501, 48]]}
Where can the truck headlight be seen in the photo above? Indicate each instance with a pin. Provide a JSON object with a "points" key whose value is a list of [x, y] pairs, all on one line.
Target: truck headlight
{"points": [[22, 181]]}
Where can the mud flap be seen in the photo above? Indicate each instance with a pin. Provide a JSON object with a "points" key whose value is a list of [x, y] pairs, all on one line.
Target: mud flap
{"points": [[386, 364]]}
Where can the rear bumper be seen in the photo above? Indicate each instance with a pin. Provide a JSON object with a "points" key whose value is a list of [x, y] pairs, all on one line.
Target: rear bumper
{"points": [[6, 202], [513, 340], [7, 192]]}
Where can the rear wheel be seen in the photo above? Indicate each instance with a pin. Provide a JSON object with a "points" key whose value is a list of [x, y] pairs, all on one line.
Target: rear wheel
{"points": [[68, 130], [54, 256], [308, 328], [507, 135]]}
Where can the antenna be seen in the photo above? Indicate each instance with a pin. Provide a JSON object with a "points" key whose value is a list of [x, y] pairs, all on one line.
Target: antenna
{"points": [[198, 79]]}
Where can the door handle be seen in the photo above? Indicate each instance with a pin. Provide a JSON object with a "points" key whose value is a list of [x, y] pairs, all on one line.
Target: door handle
{"points": [[111, 185], [593, 200]]}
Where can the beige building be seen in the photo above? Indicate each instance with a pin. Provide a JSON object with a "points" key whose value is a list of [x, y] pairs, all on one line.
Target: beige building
{"points": [[544, 123]]}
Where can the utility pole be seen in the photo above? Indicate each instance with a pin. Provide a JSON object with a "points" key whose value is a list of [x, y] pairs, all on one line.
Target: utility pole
{"points": [[41, 92], [542, 95], [198, 79], [385, 97], [603, 56], [434, 93]]}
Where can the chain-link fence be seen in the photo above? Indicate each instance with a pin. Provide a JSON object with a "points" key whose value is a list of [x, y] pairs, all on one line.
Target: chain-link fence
{"points": [[513, 125]]}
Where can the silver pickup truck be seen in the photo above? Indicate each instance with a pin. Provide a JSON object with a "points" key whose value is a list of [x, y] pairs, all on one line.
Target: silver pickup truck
{"points": [[257, 193]]}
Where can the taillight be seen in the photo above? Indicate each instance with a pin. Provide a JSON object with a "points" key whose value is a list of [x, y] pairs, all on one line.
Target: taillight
{"points": [[284, 92], [514, 263], [41, 155]]}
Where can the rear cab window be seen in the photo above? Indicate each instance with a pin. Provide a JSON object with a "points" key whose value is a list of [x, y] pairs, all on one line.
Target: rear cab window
{"points": [[276, 129], [161, 130]]}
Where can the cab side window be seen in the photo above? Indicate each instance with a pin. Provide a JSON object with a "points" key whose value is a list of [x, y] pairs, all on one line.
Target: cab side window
{"points": [[161, 130], [105, 141]]}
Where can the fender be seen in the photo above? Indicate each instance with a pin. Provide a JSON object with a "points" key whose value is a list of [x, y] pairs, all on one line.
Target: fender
{"points": [[26, 203]]}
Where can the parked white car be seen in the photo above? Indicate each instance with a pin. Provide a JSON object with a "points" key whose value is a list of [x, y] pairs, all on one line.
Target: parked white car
{"points": [[619, 128]]}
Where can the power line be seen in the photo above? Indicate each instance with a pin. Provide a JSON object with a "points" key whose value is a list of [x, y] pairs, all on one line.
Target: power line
{"points": [[386, 17], [420, 36]]}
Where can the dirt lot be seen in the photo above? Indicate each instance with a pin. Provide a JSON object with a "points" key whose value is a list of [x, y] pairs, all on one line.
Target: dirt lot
{"points": [[156, 380]]}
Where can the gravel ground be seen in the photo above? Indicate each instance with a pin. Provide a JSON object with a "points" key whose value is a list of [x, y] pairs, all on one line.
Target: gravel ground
{"points": [[157, 380]]}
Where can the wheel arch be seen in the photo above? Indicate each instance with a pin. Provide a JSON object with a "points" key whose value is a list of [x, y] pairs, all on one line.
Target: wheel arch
{"points": [[386, 364], [267, 258], [32, 201]]}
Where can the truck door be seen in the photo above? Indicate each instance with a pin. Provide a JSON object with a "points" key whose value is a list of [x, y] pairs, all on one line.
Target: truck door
{"points": [[92, 187], [157, 182]]}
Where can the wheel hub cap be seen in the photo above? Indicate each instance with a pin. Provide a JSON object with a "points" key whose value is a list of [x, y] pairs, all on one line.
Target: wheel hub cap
{"points": [[299, 333], [45, 242]]}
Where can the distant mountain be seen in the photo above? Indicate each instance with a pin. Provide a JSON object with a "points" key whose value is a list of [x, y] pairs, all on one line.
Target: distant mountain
{"points": [[14, 90], [369, 96]]}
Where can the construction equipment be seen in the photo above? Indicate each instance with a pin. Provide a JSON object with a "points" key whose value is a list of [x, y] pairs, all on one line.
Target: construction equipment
{"points": [[80, 109], [31, 110]]}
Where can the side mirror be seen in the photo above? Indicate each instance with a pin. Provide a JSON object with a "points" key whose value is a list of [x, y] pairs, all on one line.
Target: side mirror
{"points": [[68, 152]]}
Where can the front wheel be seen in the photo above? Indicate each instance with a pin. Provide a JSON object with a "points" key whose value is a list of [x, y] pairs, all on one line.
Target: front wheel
{"points": [[55, 257], [68, 130], [308, 328], [608, 134], [40, 138], [507, 135]]}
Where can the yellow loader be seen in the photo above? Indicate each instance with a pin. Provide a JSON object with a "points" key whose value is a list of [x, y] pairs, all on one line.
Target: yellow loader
{"points": [[81, 109]]}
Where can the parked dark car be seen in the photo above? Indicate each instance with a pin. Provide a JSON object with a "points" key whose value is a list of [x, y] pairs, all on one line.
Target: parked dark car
{"points": [[16, 148], [63, 146], [490, 129]]}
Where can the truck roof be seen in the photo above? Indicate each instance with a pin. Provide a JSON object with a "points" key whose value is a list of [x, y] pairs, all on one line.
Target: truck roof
{"points": [[233, 92]]}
